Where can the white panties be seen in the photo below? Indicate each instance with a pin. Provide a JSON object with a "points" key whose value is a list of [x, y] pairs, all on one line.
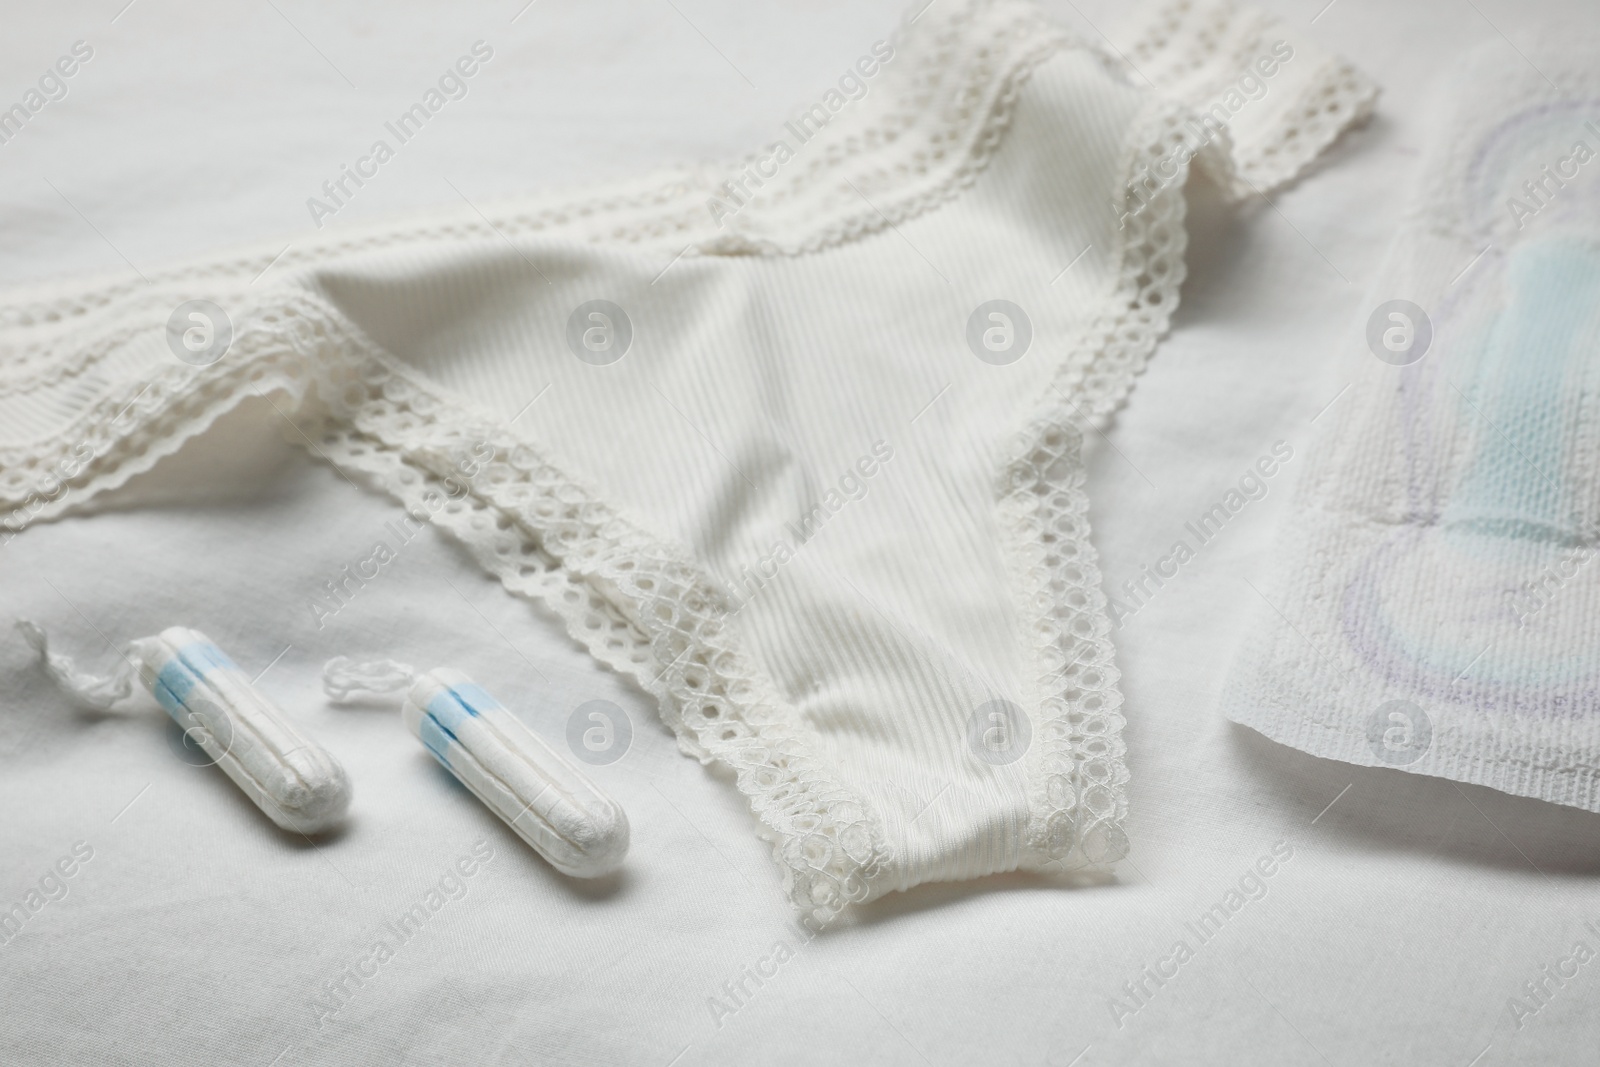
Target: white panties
{"points": [[793, 443]]}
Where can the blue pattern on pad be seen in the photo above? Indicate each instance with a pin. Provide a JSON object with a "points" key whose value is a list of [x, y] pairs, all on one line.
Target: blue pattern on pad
{"points": [[1534, 353]]}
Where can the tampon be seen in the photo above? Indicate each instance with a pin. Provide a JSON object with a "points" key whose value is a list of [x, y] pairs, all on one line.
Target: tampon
{"points": [[550, 804], [296, 782], [293, 780]]}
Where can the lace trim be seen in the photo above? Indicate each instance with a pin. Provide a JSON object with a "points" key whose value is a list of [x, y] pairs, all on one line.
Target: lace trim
{"points": [[1339, 97], [636, 212], [1076, 774], [1194, 50], [1077, 793], [119, 437]]}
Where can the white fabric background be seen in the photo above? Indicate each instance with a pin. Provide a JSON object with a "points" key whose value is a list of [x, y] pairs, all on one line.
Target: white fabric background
{"points": [[1409, 913]]}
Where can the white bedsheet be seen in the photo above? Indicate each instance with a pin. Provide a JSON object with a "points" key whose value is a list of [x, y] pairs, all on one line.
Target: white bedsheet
{"points": [[1405, 917]]}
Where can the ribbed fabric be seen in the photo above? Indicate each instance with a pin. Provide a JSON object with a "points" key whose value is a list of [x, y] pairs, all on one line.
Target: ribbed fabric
{"points": [[843, 541], [1437, 611]]}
